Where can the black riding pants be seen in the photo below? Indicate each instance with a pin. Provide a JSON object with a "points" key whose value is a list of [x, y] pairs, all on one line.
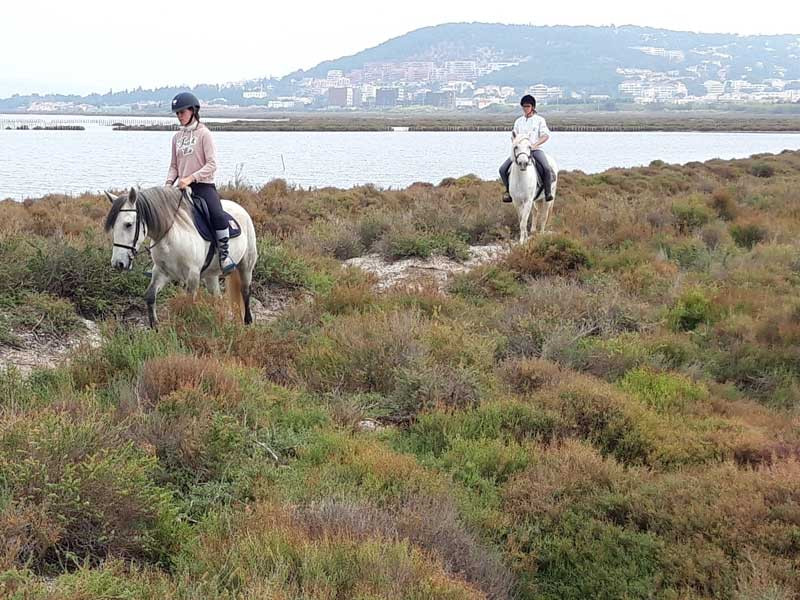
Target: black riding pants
{"points": [[540, 161], [209, 192]]}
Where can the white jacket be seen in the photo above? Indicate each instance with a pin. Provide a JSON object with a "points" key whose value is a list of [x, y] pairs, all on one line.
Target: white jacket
{"points": [[534, 127]]}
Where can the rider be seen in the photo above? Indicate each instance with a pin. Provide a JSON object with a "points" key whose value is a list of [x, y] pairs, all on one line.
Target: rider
{"points": [[194, 163], [534, 126]]}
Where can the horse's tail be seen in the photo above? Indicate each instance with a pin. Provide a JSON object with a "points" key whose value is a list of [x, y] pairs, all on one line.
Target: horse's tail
{"points": [[233, 286]]}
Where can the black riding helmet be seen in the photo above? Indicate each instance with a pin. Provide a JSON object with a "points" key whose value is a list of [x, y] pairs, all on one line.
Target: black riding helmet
{"points": [[185, 100], [528, 99]]}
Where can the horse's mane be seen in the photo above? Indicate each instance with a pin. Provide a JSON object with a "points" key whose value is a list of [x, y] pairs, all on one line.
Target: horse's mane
{"points": [[520, 137], [157, 207]]}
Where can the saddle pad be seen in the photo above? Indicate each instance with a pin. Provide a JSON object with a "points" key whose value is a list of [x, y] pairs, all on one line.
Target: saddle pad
{"points": [[204, 227]]}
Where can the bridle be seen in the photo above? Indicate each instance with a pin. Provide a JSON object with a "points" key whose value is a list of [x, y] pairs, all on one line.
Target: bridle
{"points": [[132, 248], [139, 226], [529, 153]]}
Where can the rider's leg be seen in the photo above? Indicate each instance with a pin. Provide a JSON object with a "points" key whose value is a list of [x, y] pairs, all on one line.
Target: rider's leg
{"points": [[504, 177], [543, 168], [218, 221]]}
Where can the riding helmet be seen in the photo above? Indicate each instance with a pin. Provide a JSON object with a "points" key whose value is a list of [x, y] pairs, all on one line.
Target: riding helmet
{"points": [[185, 100], [528, 99]]}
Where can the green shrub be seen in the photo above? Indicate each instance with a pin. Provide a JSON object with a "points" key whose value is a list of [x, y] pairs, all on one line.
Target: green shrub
{"points": [[547, 256], [485, 463], [278, 265], [415, 363], [398, 245], [436, 386], [691, 310], [85, 277], [762, 169], [747, 235], [121, 355], [484, 282], [605, 418], [689, 254], [338, 238], [112, 580], [722, 201], [408, 243], [665, 392], [360, 353], [589, 558], [44, 314], [372, 227], [91, 495], [271, 549], [607, 358], [690, 214], [434, 432]]}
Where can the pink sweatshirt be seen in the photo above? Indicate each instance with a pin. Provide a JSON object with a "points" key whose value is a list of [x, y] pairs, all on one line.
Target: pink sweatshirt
{"points": [[193, 153]]}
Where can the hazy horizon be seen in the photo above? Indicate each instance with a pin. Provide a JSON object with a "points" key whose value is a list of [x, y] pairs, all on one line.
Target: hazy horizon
{"points": [[80, 50]]}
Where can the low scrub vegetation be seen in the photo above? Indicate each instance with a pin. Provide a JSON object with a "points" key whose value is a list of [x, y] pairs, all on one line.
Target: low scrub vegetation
{"points": [[609, 411]]}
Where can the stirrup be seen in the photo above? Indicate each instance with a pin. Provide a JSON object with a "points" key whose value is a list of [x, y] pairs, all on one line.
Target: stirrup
{"points": [[507, 197], [227, 265]]}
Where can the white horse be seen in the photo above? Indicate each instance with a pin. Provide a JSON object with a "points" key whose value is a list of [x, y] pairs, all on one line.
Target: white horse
{"points": [[523, 184], [178, 251]]}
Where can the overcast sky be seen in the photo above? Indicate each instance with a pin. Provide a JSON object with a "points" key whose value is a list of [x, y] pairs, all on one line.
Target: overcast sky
{"points": [[86, 46]]}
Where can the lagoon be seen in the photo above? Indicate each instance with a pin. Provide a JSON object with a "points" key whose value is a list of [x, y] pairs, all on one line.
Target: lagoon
{"points": [[35, 163]]}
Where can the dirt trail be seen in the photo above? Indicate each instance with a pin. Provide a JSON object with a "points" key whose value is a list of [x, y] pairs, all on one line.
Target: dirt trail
{"points": [[40, 351], [412, 270]]}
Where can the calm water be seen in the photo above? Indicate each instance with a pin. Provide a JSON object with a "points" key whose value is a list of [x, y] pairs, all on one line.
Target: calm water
{"points": [[33, 163]]}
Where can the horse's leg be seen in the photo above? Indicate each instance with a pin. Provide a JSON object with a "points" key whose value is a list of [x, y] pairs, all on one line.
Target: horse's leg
{"points": [[193, 283], [247, 278], [212, 284], [524, 216], [548, 207], [157, 281], [536, 216]]}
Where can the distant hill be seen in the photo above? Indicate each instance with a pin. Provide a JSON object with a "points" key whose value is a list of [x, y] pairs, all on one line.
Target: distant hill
{"points": [[582, 60], [585, 58]]}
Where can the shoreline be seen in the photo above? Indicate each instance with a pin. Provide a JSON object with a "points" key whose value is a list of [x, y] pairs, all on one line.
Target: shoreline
{"points": [[558, 121], [464, 179]]}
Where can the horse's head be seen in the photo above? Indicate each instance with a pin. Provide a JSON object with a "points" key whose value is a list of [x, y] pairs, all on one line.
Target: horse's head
{"points": [[127, 229], [521, 150]]}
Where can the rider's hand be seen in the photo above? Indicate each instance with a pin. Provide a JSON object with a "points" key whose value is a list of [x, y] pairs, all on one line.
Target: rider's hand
{"points": [[186, 181]]}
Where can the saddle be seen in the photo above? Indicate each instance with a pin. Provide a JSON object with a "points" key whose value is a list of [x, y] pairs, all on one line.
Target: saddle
{"points": [[540, 170], [202, 221]]}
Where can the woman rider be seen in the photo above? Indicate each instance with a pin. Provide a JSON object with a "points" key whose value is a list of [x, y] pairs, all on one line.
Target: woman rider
{"points": [[535, 127], [194, 163]]}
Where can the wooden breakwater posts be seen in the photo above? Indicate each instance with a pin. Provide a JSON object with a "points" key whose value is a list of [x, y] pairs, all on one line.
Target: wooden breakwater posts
{"points": [[73, 124], [27, 127], [255, 128]]}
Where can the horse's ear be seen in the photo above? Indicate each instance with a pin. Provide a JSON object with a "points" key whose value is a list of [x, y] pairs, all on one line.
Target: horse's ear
{"points": [[110, 197], [132, 196]]}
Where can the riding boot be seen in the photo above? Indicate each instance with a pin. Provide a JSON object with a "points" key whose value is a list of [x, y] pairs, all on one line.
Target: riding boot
{"points": [[547, 183], [545, 174], [504, 177], [226, 263]]}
